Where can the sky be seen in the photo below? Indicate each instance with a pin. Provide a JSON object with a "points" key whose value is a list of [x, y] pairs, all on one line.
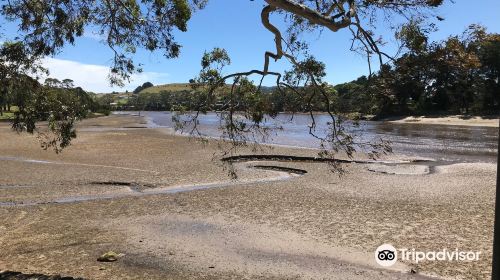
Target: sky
{"points": [[235, 26]]}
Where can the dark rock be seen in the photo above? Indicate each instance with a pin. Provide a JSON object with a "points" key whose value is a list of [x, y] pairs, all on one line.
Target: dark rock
{"points": [[11, 275]]}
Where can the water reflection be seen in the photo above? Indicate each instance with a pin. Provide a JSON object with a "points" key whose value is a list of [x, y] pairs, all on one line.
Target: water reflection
{"points": [[441, 142]]}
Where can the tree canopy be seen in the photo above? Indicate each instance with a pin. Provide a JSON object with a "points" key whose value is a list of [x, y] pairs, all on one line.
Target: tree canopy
{"points": [[142, 87], [458, 75], [45, 27]]}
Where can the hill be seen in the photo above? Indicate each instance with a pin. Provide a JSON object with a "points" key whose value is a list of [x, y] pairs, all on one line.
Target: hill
{"points": [[167, 87], [175, 87]]}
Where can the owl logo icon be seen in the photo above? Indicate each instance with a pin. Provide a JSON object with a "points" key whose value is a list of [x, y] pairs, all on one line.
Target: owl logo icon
{"points": [[386, 255]]}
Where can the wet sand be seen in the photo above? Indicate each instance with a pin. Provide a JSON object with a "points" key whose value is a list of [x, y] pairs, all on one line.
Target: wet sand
{"points": [[449, 120], [268, 224]]}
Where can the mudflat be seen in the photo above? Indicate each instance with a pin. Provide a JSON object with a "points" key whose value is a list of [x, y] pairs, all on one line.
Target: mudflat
{"points": [[172, 211]]}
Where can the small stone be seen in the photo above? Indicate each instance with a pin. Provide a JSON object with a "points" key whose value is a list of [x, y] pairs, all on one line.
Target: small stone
{"points": [[109, 257]]}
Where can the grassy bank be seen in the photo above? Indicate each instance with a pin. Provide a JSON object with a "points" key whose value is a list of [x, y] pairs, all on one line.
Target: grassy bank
{"points": [[6, 116]]}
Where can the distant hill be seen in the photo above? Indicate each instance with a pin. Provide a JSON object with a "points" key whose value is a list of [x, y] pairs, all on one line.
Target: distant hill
{"points": [[176, 87], [186, 86], [167, 87]]}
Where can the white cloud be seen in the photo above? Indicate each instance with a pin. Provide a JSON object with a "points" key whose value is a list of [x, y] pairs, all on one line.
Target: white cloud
{"points": [[94, 35], [94, 78]]}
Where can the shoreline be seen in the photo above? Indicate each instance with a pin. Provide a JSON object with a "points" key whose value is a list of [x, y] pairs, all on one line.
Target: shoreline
{"points": [[453, 120]]}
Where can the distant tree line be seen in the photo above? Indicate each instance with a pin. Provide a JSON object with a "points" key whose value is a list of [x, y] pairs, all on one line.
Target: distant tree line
{"points": [[59, 103], [53, 97], [459, 75]]}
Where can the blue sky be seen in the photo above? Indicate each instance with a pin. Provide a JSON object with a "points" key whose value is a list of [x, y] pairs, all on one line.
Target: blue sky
{"points": [[235, 26]]}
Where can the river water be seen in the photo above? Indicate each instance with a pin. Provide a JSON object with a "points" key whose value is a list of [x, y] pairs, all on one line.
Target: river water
{"points": [[444, 143]]}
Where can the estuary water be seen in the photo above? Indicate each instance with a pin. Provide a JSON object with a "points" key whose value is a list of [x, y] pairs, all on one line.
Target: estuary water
{"points": [[448, 143]]}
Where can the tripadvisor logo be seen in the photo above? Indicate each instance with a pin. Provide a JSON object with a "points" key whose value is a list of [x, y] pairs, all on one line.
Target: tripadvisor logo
{"points": [[386, 255]]}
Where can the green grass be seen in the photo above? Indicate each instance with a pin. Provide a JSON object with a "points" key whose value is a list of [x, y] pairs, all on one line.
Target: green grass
{"points": [[167, 87], [122, 101], [7, 116], [176, 87]]}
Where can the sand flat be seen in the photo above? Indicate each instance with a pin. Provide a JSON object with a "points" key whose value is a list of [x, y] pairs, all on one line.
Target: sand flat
{"points": [[313, 226], [450, 120]]}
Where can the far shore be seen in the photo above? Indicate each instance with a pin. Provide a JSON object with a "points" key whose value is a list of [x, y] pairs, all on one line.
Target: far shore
{"points": [[492, 121]]}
